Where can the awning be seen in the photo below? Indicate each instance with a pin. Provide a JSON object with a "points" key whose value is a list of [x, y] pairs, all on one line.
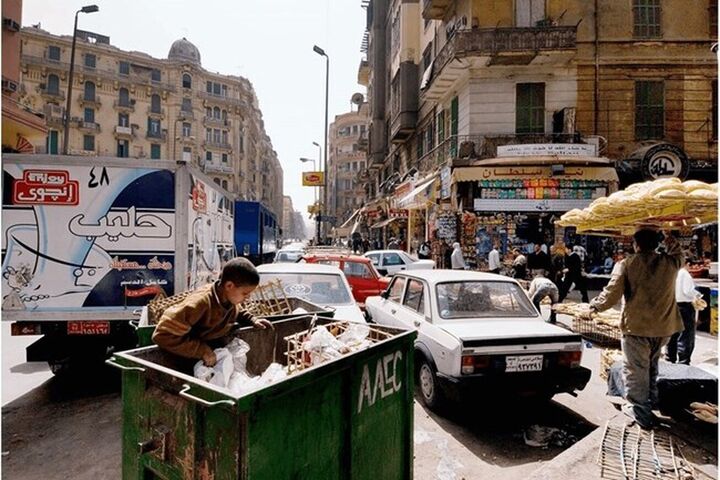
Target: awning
{"points": [[570, 172], [419, 195], [350, 220], [386, 222]]}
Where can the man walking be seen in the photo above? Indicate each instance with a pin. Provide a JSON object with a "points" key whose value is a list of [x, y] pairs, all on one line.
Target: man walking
{"points": [[650, 317], [682, 344], [574, 274], [494, 260]]}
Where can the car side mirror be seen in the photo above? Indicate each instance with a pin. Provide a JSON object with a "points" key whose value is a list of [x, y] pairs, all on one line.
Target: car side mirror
{"points": [[385, 294]]}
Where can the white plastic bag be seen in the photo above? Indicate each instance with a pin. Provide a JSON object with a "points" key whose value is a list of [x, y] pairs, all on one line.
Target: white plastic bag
{"points": [[239, 349], [355, 334], [223, 369], [201, 372]]}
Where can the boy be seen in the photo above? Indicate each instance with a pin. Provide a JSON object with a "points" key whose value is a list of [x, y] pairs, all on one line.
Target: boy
{"points": [[209, 313]]}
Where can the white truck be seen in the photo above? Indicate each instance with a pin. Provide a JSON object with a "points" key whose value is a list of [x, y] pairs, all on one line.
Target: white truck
{"points": [[88, 241]]}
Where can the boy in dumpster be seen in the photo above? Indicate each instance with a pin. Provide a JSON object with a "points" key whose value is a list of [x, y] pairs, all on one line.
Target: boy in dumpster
{"points": [[199, 323]]}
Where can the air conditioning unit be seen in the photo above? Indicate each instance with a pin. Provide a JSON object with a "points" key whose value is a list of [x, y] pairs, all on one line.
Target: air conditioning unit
{"points": [[10, 24], [9, 86]]}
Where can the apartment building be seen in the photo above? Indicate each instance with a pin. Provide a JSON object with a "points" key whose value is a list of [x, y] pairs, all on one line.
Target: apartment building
{"points": [[346, 163], [129, 104]]}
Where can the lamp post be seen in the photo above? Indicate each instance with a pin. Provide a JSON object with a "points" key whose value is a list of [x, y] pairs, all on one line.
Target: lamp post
{"points": [[322, 53], [66, 133], [315, 196]]}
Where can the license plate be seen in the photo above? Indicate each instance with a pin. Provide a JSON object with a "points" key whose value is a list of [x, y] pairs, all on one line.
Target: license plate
{"points": [[524, 363], [88, 328]]}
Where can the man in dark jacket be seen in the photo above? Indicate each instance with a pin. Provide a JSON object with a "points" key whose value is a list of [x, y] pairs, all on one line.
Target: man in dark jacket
{"points": [[574, 273], [538, 262]]}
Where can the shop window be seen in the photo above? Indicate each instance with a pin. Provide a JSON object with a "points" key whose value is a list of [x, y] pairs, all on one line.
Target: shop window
{"points": [[646, 19], [186, 80], [155, 151], [53, 84], [649, 110], [89, 143], [530, 108]]}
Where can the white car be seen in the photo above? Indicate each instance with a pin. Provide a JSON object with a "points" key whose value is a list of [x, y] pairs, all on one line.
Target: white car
{"points": [[323, 285], [288, 255], [478, 332], [390, 262]]}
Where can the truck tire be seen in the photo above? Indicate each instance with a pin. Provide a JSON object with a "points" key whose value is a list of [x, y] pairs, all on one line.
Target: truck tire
{"points": [[428, 388]]}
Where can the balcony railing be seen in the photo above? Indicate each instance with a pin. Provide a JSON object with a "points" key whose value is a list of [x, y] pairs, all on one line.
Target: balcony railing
{"points": [[215, 122], [460, 149], [215, 168], [223, 99], [124, 106], [88, 126], [156, 136], [156, 114], [124, 132], [93, 101], [55, 95], [218, 145]]}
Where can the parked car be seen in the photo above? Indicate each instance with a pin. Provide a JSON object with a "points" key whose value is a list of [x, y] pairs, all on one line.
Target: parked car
{"points": [[361, 274], [323, 285], [478, 332], [389, 262], [288, 255]]}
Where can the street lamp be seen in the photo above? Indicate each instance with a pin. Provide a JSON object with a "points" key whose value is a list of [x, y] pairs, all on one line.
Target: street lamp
{"points": [[315, 196], [321, 52], [66, 133]]}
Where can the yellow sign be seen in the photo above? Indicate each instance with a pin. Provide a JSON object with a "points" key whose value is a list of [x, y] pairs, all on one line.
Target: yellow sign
{"points": [[313, 179], [314, 208]]}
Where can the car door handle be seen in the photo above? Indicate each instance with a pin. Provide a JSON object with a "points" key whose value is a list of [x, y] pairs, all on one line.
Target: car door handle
{"points": [[417, 323], [393, 311]]}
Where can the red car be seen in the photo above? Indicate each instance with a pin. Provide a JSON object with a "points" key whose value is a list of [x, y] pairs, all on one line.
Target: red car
{"points": [[361, 274]]}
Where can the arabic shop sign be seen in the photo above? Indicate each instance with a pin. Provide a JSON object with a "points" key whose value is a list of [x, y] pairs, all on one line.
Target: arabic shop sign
{"points": [[664, 160], [470, 174], [46, 187], [536, 149], [528, 205]]}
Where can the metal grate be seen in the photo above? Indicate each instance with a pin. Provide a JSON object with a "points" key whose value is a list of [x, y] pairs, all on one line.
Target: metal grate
{"points": [[268, 299]]}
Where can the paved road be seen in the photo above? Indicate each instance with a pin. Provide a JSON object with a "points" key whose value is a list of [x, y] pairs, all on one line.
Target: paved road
{"points": [[70, 428]]}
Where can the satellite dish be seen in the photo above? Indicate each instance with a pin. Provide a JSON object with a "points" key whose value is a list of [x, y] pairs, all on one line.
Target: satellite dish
{"points": [[357, 98]]}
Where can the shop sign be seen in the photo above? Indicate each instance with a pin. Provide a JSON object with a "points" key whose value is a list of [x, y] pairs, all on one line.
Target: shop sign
{"points": [[372, 213], [313, 179], [664, 160], [46, 187], [445, 182], [536, 149], [403, 189], [398, 213], [528, 205]]}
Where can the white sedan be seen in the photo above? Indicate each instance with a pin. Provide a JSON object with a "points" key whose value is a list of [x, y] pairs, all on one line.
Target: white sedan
{"points": [[390, 262], [323, 285], [479, 335]]}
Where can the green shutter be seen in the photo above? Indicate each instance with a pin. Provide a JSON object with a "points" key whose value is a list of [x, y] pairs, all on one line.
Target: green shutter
{"points": [[530, 108]]}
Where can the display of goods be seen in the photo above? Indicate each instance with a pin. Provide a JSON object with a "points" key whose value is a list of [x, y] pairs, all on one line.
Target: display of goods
{"points": [[662, 203], [603, 329]]}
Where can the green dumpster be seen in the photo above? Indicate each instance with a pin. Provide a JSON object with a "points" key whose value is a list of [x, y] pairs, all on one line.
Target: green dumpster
{"points": [[349, 418]]}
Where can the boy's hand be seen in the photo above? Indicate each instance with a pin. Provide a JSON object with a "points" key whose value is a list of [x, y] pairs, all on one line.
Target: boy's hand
{"points": [[262, 323], [209, 359]]}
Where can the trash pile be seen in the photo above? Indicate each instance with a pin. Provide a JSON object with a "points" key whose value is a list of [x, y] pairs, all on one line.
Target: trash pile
{"points": [[544, 437]]}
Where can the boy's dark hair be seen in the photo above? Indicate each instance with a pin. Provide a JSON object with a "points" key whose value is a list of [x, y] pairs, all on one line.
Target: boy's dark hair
{"points": [[647, 240], [241, 272]]}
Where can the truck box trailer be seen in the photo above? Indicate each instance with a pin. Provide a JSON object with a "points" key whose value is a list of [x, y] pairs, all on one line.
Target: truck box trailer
{"points": [[256, 232], [88, 241]]}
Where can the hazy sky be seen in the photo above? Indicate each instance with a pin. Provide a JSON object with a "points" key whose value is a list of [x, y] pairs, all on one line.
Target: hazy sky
{"points": [[267, 41]]}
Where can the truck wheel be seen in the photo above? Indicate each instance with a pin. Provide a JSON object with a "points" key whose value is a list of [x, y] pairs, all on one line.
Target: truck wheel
{"points": [[428, 385]]}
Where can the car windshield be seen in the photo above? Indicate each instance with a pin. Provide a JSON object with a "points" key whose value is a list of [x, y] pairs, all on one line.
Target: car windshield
{"points": [[319, 288], [288, 256], [481, 299]]}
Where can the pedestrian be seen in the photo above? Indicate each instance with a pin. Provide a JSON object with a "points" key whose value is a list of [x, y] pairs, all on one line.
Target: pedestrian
{"points": [[424, 250], [557, 264], [494, 264], [681, 345], [446, 251], [519, 265], [647, 282], [393, 244], [456, 258], [538, 261], [574, 274], [365, 245], [204, 319], [540, 288]]}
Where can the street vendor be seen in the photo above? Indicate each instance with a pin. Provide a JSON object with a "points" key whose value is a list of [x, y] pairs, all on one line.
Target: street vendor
{"points": [[200, 322], [649, 319]]}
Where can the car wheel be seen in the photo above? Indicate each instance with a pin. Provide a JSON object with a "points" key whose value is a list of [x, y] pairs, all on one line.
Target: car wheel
{"points": [[428, 385]]}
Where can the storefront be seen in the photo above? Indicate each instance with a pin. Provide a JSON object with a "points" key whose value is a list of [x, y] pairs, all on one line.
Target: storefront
{"points": [[415, 198]]}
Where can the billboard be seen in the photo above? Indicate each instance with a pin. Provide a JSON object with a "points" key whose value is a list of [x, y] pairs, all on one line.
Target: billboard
{"points": [[313, 179]]}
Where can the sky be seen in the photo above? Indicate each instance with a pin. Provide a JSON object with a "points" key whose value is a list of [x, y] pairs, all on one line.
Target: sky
{"points": [[270, 42]]}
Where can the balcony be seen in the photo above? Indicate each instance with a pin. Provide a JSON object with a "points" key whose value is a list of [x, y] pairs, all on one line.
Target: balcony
{"points": [[52, 96], [44, 61], [364, 73], [486, 47], [126, 133], [93, 102], [156, 136], [362, 141], [216, 122], [217, 145], [217, 169], [403, 102], [186, 115], [462, 150], [435, 9], [222, 100], [88, 127], [126, 107], [54, 115], [159, 114]]}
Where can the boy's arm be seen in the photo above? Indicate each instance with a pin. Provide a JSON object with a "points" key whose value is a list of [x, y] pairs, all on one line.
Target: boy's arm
{"points": [[172, 331], [613, 291], [246, 319]]}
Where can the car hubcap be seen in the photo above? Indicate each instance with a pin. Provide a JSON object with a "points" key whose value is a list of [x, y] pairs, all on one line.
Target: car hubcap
{"points": [[426, 382]]}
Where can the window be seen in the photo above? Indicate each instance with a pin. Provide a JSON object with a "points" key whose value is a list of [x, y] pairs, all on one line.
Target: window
{"points": [[224, 115], [414, 296], [89, 115], [208, 156], [89, 93], [217, 181], [216, 113], [714, 125], [89, 143], [155, 104], [646, 19], [123, 149], [529, 12], [186, 105], [391, 259], [216, 135], [154, 127], [155, 151], [241, 142], [208, 112], [216, 89], [224, 184], [427, 57], [396, 289], [530, 108], [155, 75], [208, 134], [460, 300], [224, 158], [90, 60], [53, 84], [353, 269], [124, 97], [53, 53], [187, 154], [124, 68], [186, 128], [186, 80], [224, 137], [713, 14], [123, 120], [649, 110]]}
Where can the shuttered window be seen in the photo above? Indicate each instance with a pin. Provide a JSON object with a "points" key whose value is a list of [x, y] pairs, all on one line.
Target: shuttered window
{"points": [[649, 110], [530, 108]]}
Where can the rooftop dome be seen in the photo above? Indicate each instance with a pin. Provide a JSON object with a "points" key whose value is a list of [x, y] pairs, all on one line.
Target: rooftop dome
{"points": [[184, 51]]}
